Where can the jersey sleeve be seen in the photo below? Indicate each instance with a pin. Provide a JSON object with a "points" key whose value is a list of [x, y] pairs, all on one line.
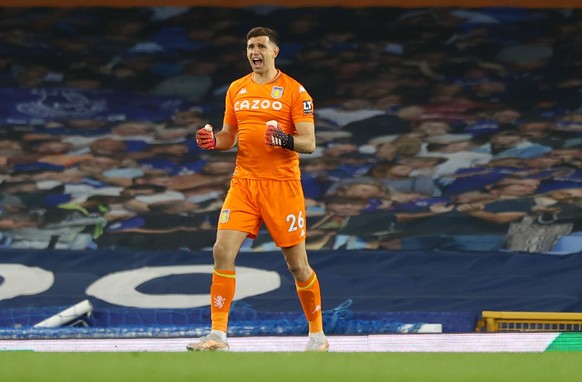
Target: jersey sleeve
{"points": [[302, 109], [229, 114]]}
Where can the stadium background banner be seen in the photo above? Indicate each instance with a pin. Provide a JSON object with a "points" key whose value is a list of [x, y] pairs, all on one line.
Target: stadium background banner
{"points": [[372, 281], [301, 3]]}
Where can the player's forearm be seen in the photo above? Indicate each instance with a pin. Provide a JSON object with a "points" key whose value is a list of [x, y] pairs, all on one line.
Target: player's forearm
{"points": [[304, 144], [224, 140]]}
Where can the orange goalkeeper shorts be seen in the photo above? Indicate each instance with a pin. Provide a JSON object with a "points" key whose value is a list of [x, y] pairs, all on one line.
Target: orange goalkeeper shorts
{"points": [[280, 204]]}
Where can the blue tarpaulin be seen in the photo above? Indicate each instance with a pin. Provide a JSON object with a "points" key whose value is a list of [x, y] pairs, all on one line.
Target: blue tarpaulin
{"points": [[407, 286]]}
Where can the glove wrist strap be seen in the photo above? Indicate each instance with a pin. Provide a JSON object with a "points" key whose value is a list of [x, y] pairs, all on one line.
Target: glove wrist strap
{"points": [[290, 143]]}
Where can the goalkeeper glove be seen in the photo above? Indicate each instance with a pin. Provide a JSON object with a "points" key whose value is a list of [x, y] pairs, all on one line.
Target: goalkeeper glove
{"points": [[274, 136], [205, 138]]}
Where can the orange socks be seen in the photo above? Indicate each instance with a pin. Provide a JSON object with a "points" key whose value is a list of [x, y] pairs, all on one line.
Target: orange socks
{"points": [[310, 297], [221, 295]]}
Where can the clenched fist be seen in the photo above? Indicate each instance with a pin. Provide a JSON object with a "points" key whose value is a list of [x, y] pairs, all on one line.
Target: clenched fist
{"points": [[205, 138]]}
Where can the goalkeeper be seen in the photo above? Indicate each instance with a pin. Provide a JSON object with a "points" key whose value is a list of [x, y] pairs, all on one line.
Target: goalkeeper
{"points": [[269, 115]]}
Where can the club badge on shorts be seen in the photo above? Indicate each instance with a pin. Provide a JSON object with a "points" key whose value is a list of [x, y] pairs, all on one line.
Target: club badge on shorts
{"points": [[224, 216]]}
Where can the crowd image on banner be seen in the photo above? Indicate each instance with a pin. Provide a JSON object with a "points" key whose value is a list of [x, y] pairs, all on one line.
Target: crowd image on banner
{"points": [[437, 128]]}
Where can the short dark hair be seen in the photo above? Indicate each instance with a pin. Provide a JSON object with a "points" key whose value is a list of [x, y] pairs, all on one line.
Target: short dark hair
{"points": [[263, 31]]}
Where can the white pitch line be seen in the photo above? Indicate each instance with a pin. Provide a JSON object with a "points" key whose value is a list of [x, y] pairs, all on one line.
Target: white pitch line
{"points": [[463, 342]]}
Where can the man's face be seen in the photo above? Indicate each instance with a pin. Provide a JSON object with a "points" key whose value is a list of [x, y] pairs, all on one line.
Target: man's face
{"points": [[261, 53]]}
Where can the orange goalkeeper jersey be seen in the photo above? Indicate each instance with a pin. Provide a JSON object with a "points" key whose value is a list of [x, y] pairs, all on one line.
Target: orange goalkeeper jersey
{"points": [[248, 107]]}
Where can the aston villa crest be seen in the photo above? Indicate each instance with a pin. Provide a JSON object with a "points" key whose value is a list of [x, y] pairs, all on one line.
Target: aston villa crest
{"points": [[277, 92], [224, 216]]}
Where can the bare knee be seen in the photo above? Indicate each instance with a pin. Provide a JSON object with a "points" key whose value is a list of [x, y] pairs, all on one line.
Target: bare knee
{"points": [[297, 262], [301, 271], [224, 257]]}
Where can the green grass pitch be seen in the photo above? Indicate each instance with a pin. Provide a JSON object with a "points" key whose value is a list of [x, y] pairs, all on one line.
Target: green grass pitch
{"points": [[297, 367]]}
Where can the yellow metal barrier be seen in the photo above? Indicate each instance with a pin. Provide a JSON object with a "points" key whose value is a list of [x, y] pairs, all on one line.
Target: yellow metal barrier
{"points": [[529, 322]]}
